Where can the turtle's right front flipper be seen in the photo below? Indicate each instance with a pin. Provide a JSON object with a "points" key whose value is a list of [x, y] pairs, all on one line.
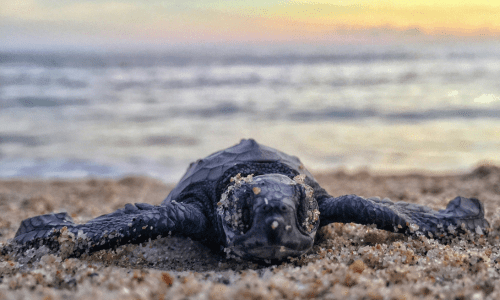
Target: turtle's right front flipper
{"points": [[133, 224], [42, 227]]}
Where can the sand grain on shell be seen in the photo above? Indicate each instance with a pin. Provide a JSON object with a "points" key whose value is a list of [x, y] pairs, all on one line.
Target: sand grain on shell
{"points": [[349, 261]]}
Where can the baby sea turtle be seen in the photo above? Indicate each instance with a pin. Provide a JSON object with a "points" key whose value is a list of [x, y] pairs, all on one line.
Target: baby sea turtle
{"points": [[253, 201]]}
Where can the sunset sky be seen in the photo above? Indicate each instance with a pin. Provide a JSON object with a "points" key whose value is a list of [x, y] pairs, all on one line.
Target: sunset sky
{"points": [[32, 23]]}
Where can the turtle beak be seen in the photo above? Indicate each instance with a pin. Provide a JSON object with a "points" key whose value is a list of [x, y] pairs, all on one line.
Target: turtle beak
{"points": [[273, 235]]}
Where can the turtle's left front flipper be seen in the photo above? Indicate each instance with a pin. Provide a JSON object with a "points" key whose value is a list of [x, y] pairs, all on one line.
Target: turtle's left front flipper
{"points": [[387, 215], [133, 224]]}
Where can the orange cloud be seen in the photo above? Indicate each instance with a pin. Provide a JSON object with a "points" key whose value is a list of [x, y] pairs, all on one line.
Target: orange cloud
{"points": [[258, 21], [360, 22]]}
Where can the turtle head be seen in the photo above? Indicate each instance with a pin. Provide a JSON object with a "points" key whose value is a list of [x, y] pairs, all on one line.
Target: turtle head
{"points": [[268, 217]]}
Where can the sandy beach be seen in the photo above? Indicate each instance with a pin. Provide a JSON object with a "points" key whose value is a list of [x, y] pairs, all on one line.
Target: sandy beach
{"points": [[348, 261]]}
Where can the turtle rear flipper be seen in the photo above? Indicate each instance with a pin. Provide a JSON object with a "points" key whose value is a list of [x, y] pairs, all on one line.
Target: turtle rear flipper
{"points": [[41, 226]]}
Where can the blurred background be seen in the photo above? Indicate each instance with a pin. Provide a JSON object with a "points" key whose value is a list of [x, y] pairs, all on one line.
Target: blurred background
{"points": [[109, 88]]}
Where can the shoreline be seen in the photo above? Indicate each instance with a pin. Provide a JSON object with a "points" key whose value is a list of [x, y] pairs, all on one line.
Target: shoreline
{"points": [[348, 260]]}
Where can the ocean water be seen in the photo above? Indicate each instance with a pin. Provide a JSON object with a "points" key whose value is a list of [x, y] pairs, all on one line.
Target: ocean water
{"points": [[384, 108]]}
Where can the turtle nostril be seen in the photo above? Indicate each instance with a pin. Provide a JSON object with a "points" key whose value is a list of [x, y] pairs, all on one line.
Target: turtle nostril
{"points": [[266, 207], [283, 207], [274, 225]]}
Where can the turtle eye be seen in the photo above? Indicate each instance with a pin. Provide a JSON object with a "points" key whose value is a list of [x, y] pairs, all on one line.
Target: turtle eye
{"points": [[307, 210], [246, 219], [246, 202], [235, 208]]}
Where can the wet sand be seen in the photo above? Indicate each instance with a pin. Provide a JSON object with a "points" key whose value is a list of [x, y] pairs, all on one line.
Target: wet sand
{"points": [[348, 261]]}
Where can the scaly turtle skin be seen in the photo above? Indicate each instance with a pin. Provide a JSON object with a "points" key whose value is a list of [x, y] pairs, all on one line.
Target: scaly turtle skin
{"points": [[253, 201]]}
